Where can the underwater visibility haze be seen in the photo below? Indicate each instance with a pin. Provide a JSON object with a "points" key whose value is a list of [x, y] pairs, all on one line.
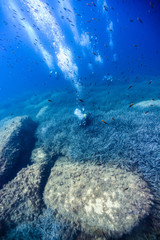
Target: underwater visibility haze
{"points": [[80, 119]]}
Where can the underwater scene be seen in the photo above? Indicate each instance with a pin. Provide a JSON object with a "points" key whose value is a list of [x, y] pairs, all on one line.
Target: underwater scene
{"points": [[79, 120]]}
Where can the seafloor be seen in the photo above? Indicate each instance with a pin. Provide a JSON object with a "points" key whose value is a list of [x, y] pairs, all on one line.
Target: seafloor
{"points": [[127, 143]]}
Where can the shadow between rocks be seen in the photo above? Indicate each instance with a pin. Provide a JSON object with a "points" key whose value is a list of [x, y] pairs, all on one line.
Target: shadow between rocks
{"points": [[26, 145], [45, 175]]}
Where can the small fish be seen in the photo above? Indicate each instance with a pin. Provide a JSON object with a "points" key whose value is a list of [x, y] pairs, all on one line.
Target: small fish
{"points": [[131, 104], [113, 119], [140, 20], [69, 20], [94, 19], [152, 105], [49, 100], [99, 164], [105, 7], [135, 45], [94, 53], [152, 99], [150, 82], [125, 189], [80, 100], [146, 112], [130, 86], [94, 4], [104, 122], [151, 4], [131, 20], [88, 4]]}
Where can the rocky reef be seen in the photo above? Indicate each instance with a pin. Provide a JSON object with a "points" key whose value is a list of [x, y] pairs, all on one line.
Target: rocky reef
{"points": [[21, 199], [100, 181], [17, 141]]}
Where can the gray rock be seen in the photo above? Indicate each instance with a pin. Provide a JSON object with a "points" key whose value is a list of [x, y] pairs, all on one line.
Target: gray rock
{"points": [[21, 199], [102, 201], [46, 227], [16, 143]]}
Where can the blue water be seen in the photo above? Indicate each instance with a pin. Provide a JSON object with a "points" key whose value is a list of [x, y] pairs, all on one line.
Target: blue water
{"points": [[110, 33], [91, 60]]}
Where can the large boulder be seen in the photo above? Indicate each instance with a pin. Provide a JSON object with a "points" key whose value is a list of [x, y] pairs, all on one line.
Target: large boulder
{"points": [[16, 143], [21, 199], [102, 201]]}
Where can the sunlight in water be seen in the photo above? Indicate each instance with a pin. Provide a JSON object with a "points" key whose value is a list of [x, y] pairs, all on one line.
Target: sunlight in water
{"points": [[32, 34], [69, 14], [47, 23]]}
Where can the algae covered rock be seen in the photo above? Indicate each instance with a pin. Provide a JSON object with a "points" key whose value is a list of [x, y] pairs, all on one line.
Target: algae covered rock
{"points": [[21, 199], [46, 227], [16, 143], [102, 201], [39, 155]]}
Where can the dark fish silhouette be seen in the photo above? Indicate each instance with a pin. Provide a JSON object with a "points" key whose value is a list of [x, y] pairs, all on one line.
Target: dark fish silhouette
{"points": [[94, 4], [131, 104], [139, 19], [104, 122], [151, 4], [94, 53], [80, 100]]}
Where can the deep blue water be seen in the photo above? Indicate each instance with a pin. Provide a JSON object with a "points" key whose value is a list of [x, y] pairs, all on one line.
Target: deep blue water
{"points": [[62, 36]]}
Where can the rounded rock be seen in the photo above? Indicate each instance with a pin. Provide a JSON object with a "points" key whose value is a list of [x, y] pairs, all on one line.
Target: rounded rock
{"points": [[98, 199]]}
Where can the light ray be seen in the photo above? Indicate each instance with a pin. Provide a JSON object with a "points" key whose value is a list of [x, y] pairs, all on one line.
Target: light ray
{"points": [[31, 33]]}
